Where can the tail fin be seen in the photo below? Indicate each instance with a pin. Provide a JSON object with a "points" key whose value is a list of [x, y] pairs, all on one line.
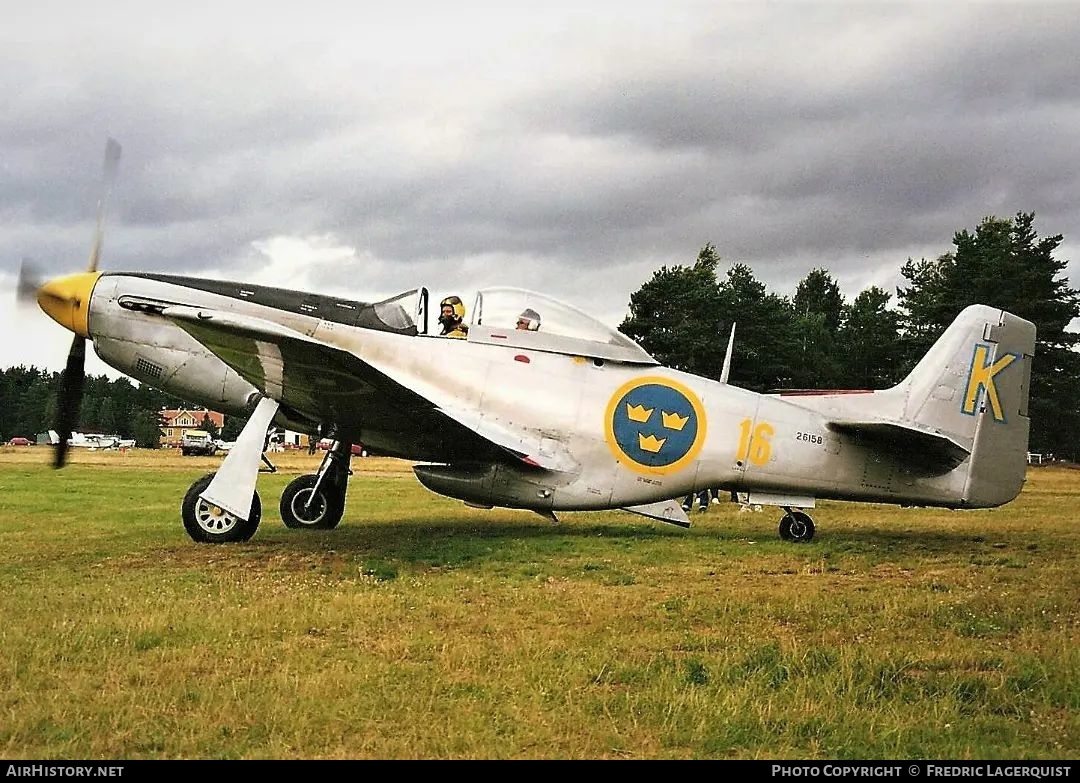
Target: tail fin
{"points": [[973, 386]]}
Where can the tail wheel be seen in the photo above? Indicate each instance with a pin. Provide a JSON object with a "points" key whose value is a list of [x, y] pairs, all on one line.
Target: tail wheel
{"points": [[797, 526], [300, 509], [208, 524]]}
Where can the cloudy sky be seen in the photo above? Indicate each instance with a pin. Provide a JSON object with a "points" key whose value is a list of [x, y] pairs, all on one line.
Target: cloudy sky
{"points": [[366, 148]]}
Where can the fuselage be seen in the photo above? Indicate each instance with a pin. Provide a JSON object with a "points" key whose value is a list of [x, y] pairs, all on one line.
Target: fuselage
{"points": [[638, 433]]}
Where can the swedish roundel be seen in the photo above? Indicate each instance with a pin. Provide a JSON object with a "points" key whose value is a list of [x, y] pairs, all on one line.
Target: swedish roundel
{"points": [[655, 425]]}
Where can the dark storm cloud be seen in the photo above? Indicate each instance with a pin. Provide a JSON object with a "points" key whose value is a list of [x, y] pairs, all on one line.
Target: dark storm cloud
{"points": [[589, 146], [985, 60], [970, 118]]}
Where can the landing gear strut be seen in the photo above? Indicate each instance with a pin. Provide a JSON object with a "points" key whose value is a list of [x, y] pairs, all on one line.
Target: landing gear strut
{"points": [[796, 526], [316, 501]]}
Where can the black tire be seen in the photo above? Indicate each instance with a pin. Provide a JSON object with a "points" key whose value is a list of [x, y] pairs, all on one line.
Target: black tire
{"points": [[210, 525], [797, 527], [325, 512]]}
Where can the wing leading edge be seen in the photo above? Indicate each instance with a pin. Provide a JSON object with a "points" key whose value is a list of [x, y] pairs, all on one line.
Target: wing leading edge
{"points": [[327, 384]]}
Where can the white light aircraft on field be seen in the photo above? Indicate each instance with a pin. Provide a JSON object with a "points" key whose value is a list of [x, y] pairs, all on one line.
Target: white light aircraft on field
{"points": [[564, 413], [92, 440]]}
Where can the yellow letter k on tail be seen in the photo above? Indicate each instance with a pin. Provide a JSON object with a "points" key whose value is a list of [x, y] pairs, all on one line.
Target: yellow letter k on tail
{"points": [[981, 377]]}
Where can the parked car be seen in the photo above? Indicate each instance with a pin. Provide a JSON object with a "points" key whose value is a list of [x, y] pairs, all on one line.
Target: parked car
{"points": [[20, 442], [198, 442]]}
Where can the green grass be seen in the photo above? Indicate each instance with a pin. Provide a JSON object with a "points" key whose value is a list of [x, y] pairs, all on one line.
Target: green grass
{"points": [[421, 628]]}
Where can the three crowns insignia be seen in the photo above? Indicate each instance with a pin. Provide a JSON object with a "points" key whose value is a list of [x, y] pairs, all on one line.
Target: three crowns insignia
{"points": [[641, 415]]}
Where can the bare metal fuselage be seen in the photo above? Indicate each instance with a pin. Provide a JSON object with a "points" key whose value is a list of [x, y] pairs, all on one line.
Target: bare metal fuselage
{"points": [[780, 448]]}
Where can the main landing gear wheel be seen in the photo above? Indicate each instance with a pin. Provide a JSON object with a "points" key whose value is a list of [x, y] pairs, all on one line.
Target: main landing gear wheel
{"points": [[796, 526], [300, 510], [208, 524]]}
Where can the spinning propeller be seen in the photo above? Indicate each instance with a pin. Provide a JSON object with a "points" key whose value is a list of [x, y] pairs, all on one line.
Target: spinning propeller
{"points": [[67, 301]]}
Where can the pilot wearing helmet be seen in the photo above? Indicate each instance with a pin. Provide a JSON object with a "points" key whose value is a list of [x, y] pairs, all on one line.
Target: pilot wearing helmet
{"points": [[529, 320], [452, 317]]}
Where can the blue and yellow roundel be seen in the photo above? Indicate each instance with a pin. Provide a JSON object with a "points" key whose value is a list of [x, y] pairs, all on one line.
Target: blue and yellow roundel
{"points": [[655, 425]]}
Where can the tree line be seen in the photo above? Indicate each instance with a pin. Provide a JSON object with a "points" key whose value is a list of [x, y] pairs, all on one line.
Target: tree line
{"points": [[816, 338], [112, 407]]}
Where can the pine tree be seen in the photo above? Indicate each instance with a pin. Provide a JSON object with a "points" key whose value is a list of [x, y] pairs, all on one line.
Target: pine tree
{"points": [[867, 342], [817, 310], [1005, 264], [677, 315], [209, 426], [765, 342]]}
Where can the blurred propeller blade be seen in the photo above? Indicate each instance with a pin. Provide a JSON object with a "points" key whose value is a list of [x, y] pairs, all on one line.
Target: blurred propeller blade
{"points": [[30, 280], [112, 161], [73, 378], [69, 398]]}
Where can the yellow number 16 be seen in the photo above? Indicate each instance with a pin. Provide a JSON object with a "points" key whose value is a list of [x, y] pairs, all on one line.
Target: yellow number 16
{"points": [[755, 447]]}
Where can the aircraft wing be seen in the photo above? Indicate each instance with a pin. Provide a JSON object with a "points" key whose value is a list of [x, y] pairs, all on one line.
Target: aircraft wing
{"points": [[927, 449], [323, 383]]}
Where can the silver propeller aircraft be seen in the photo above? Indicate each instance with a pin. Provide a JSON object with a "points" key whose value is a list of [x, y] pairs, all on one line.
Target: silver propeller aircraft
{"points": [[561, 413]]}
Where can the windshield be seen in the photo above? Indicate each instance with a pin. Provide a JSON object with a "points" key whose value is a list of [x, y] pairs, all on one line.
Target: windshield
{"points": [[396, 314]]}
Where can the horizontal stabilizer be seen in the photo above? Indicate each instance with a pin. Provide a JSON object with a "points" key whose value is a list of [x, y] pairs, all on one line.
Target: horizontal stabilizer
{"points": [[933, 451], [664, 511]]}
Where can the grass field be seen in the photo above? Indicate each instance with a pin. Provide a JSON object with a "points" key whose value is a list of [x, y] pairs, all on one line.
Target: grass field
{"points": [[421, 628]]}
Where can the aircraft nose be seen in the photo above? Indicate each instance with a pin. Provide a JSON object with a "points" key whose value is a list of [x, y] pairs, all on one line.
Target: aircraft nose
{"points": [[67, 300]]}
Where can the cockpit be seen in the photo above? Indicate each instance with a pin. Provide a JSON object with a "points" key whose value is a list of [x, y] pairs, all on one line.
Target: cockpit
{"points": [[519, 318], [526, 319]]}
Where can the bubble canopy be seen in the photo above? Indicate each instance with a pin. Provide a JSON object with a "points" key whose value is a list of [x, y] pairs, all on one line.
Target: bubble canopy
{"points": [[527, 319]]}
